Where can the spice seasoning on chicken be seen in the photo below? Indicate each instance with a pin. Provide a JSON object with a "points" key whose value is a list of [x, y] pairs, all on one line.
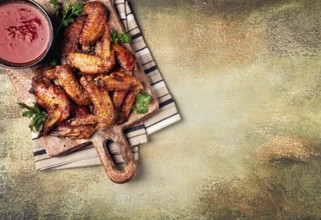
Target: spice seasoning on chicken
{"points": [[24, 33]]}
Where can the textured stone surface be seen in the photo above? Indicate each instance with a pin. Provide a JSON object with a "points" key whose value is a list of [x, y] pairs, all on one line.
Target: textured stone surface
{"points": [[242, 72]]}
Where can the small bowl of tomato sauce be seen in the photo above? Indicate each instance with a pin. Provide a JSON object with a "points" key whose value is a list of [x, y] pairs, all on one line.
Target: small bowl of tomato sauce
{"points": [[26, 33]]}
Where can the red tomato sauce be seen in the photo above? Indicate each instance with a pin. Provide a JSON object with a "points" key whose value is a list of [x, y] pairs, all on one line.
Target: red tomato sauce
{"points": [[24, 33]]}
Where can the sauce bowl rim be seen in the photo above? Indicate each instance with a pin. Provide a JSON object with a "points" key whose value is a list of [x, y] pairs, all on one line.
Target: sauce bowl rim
{"points": [[37, 6]]}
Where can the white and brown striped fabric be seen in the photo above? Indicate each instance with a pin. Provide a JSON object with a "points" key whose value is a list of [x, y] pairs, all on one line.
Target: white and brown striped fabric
{"points": [[137, 134]]}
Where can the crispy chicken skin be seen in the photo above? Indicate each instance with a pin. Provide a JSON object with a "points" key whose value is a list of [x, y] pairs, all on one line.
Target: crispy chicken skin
{"points": [[104, 112], [103, 47], [54, 100], [70, 84], [47, 72], [127, 106], [90, 64], [67, 81], [86, 120], [95, 24], [124, 57], [98, 48], [79, 132], [118, 81], [101, 100], [83, 131], [80, 111], [71, 36], [118, 97]]}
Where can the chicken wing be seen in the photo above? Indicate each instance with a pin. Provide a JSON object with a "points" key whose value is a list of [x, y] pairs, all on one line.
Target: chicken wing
{"points": [[71, 36], [79, 132], [71, 85], [82, 131], [103, 47], [121, 84], [127, 106], [95, 24], [45, 72], [54, 100], [124, 57], [118, 81], [104, 112], [90, 64]]}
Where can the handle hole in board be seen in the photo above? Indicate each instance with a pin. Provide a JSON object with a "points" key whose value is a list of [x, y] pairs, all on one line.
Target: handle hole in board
{"points": [[113, 150]]}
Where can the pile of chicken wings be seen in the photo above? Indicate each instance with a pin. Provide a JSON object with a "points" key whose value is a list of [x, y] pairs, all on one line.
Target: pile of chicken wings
{"points": [[95, 88]]}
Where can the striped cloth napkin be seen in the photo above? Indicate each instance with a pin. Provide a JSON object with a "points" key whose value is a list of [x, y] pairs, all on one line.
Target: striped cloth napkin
{"points": [[167, 114]]}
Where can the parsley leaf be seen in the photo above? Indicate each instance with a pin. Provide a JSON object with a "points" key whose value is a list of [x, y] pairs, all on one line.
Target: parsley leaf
{"points": [[67, 14], [54, 63], [77, 9], [38, 116], [141, 103], [56, 6], [117, 38]]}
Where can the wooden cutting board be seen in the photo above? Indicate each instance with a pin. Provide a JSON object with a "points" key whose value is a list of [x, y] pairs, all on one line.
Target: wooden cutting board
{"points": [[21, 79]]}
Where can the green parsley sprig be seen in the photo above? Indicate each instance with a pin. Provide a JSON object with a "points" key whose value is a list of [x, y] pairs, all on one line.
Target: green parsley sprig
{"points": [[38, 116], [117, 38], [66, 16], [141, 103]]}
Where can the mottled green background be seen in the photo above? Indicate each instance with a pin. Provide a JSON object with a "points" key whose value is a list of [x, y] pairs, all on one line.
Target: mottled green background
{"points": [[246, 75]]}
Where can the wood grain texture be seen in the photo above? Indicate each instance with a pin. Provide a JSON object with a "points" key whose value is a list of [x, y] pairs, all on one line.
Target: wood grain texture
{"points": [[99, 141]]}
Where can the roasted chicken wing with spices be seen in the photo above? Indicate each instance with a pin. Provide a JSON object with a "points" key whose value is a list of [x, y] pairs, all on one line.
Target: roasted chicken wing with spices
{"points": [[103, 60], [90, 64], [104, 113], [95, 24], [71, 36], [79, 132], [83, 131], [125, 89], [127, 106], [70, 84], [45, 72], [124, 57], [118, 81], [101, 100], [103, 47], [54, 100], [66, 80]]}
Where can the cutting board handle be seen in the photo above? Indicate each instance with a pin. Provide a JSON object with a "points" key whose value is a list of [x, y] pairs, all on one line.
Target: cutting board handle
{"points": [[115, 134]]}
